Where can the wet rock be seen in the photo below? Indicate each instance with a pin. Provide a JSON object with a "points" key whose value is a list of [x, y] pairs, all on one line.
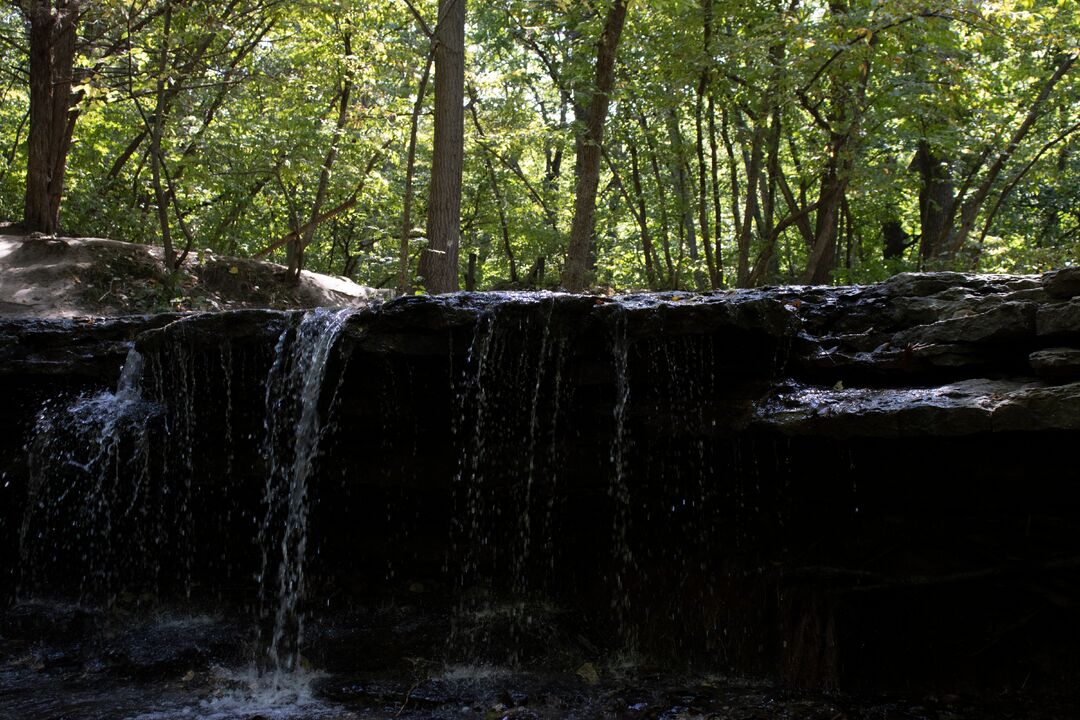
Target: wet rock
{"points": [[923, 284], [1058, 319], [92, 348], [964, 408], [727, 436], [63, 626], [1062, 283], [1006, 323], [1035, 408], [1056, 364], [217, 329], [169, 648]]}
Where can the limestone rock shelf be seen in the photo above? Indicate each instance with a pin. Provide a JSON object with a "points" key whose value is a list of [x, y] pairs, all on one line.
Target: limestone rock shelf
{"points": [[854, 485]]}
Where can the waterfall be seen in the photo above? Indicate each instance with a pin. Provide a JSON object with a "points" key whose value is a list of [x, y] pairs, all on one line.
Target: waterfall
{"points": [[295, 426], [620, 487], [507, 404], [89, 473]]}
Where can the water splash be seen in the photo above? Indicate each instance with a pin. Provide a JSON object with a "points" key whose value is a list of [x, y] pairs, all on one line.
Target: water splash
{"points": [[295, 426], [251, 695], [89, 471]]}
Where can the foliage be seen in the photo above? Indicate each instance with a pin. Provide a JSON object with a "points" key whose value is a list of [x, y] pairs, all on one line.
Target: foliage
{"points": [[787, 105]]}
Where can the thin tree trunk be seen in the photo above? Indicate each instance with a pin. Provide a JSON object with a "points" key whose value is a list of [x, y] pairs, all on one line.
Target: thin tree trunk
{"points": [[822, 258], [404, 284], [750, 209], [299, 230], [504, 227], [703, 191], [497, 191], [665, 231], [160, 196], [643, 218], [767, 265], [617, 181], [715, 173], [439, 262], [576, 273], [733, 171], [703, 185], [969, 209], [679, 171], [236, 210], [296, 257]]}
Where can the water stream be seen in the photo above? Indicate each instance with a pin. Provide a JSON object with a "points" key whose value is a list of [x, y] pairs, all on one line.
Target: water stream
{"points": [[564, 497], [296, 420]]}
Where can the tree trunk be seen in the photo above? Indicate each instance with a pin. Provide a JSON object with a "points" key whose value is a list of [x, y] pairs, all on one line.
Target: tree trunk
{"points": [[439, 262], [848, 105], [404, 285], [714, 163], [936, 198], [750, 208], [52, 35], [160, 197], [895, 237], [683, 189], [822, 260], [643, 218], [665, 233], [296, 256], [576, 273], [703, 189]]}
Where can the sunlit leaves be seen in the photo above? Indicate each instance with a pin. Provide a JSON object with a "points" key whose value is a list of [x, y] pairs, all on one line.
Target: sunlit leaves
{"points": [[252, 111]]}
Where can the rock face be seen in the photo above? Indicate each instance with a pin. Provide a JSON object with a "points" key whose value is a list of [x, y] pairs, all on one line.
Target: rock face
{"points": [[866, 485]]}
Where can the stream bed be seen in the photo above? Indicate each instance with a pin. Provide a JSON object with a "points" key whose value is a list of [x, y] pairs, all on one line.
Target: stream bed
{"points": [[394, 661]]}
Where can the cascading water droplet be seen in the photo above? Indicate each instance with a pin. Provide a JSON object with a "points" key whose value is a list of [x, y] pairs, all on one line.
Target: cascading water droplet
{"points": [[295, 425], [80, 455], [620, 488]]}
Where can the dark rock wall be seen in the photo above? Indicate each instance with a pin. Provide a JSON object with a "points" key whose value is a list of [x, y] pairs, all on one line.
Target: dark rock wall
{"points": [[837, 485]]}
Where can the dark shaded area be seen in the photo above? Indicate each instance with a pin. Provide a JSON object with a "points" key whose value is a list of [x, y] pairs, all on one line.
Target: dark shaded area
{"points": [[858, 487]]}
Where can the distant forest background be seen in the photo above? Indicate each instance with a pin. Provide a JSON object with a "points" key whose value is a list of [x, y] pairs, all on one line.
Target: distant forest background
{"points": [[733, 143]]}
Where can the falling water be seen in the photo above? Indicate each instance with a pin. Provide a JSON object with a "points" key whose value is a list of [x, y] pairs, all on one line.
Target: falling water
{"points": [[469, 475], [508, 398], [295, 426], [89, 466], [620, 487]]}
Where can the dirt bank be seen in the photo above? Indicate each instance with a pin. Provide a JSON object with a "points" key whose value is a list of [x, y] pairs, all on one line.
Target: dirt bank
{"points": [[69, 277]]}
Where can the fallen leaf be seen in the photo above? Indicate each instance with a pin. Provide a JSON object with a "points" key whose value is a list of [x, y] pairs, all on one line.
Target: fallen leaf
{"points": [[587, 672]]}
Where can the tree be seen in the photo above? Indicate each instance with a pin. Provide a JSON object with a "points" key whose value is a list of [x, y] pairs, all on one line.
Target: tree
{"points": [[52, 29], [788, 140], [439, 263], [577, 270]]}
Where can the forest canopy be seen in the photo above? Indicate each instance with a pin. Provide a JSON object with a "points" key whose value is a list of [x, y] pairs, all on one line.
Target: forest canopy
{"points": [[669, 144]]}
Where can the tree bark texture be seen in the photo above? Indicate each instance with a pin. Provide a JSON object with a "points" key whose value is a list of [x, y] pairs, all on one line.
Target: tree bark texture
{"points": [[577, 270], [52, 35], [936, 198], [439, 262]]}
